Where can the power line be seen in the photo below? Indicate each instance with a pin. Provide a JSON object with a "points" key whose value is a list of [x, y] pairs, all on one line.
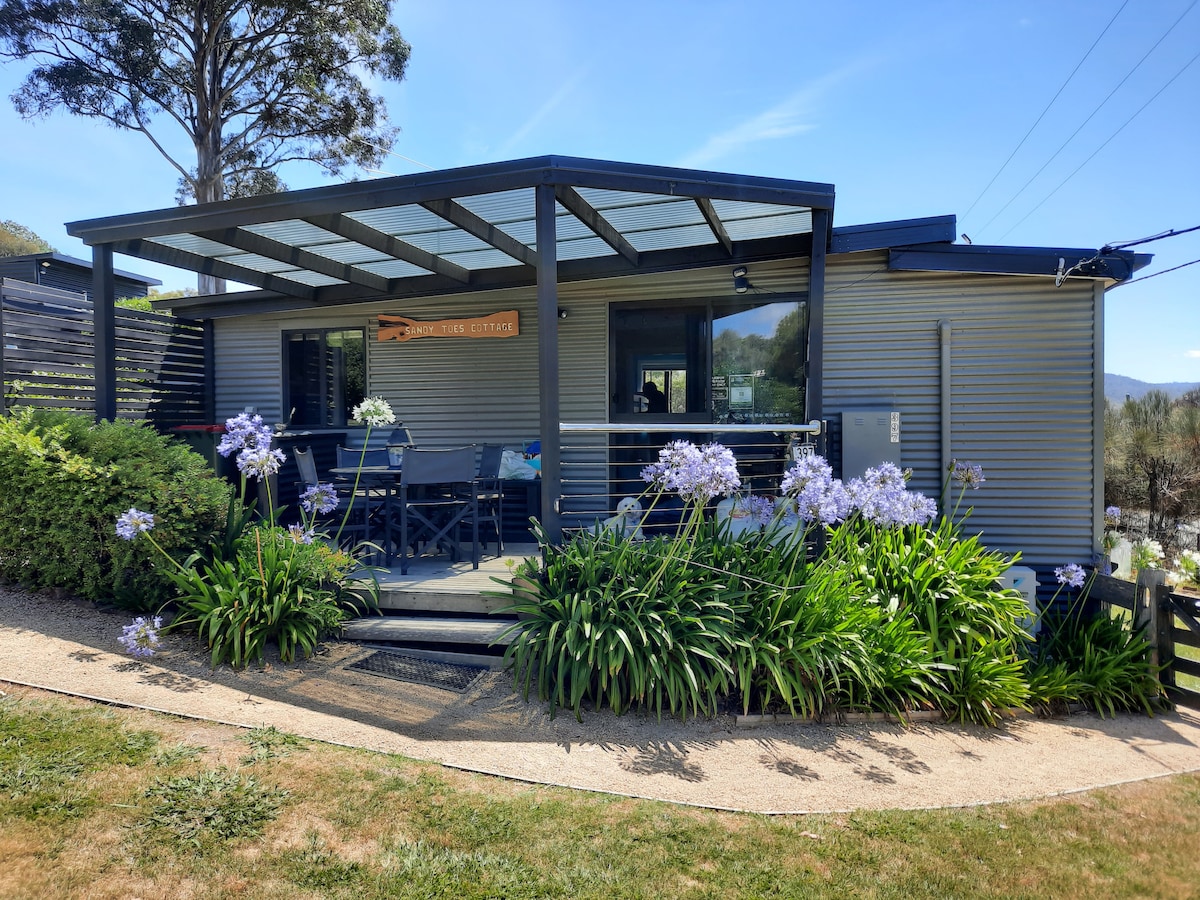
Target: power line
{"points": [[1173, 232], [1044, 111], [1156, 274], [1102, 146], [1091, 116]]}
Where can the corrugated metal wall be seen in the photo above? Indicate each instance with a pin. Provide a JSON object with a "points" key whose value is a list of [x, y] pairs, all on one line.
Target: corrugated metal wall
{"points": [[1022, 361]]}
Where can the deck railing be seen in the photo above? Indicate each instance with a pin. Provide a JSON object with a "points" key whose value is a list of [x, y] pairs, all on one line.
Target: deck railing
{"points": [[603, 463]]}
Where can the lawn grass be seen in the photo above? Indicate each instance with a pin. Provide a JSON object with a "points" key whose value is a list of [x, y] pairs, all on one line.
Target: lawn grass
{"points": [[104, 803]]}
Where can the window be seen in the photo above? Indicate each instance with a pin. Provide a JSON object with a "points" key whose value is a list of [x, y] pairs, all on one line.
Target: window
{"points": [[741, 362], [324, 376]]}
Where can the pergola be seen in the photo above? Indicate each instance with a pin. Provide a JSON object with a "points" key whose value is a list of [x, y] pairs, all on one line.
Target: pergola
{"points": [[537, 222]]}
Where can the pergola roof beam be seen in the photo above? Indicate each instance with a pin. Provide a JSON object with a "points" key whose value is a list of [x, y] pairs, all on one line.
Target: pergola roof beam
{"points": [[574, 203], [354, 230], [182, 259], [454, 183], [458, 215], [241, 239], [714, 222]]}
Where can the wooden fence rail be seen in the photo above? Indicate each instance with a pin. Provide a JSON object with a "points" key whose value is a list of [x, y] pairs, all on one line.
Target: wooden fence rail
{"points": [[47, 357], [1172, 623]]}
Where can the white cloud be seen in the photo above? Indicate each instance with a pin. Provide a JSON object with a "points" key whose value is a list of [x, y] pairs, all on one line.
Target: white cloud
{"points": [[1192, 354], [514, 140], [794, 115]]}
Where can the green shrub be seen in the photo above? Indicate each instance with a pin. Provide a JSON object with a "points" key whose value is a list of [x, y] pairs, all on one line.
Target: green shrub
{"points": [[66, 481]]}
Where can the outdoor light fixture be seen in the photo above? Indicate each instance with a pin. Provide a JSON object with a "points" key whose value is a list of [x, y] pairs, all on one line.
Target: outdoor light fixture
{"points": [[741, 283], [562, 313]]}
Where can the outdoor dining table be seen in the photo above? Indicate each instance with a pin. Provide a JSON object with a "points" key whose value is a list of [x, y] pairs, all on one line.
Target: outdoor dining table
{"points": [[378, 478], [387, 480]]}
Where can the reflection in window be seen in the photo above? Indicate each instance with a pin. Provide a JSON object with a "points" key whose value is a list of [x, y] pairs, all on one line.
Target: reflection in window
{"points": [[325, 376], [758, 364]]}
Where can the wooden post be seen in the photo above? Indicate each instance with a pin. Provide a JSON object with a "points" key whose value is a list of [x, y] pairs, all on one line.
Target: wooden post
{"points": [[1164, 637], [1149, 582]]}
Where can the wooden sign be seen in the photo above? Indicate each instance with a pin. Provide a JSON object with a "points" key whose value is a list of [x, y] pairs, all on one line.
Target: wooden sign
{"points": [[401, 328]]}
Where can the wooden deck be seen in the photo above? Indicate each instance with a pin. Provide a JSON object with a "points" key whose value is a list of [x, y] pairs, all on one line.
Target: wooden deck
{"points": [[434, 584]]}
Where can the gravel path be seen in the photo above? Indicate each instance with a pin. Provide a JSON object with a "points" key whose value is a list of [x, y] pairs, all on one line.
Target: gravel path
{"points": [[67, 646]]}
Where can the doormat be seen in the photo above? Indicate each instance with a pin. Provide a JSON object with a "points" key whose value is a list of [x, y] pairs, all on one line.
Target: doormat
{"points": [[447, 676]]}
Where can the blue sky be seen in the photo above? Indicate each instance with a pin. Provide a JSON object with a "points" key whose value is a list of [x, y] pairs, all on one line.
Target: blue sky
{"points": [[909, 109]]}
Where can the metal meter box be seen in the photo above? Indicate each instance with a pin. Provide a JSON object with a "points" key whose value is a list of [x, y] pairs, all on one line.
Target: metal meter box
{"points": [[869, 437]]}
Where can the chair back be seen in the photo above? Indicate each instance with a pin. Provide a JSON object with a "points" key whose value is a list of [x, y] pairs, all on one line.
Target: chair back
{"points": [[400, 437], [490, 456], [455, 466], [306, 465], [350, 458]]}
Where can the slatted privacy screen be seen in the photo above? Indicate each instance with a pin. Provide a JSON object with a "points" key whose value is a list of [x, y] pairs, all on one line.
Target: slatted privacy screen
{"points": [[48, 356]]}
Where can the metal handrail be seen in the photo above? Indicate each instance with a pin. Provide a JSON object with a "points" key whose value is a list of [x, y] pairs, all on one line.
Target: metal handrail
{"points": [[813, 427]]}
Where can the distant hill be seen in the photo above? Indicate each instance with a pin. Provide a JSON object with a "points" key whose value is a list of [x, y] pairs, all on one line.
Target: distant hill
{"points": [[1118, 387]]}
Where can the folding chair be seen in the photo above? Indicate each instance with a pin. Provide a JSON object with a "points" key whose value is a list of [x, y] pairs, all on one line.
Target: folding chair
{"points": [[355, 529], [489, 492], [436, 500]]}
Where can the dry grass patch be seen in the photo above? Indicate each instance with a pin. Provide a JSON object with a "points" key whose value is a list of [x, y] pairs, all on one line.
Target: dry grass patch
{"points": [[339, 823]]}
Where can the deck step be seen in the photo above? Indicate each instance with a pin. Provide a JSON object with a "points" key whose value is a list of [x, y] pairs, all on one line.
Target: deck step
{"points": [[426, 630], [399, 597]]}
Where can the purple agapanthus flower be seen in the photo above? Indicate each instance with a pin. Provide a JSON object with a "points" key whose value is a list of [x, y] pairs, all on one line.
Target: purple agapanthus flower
{"points": [[260, 462], [818, 496], [321, 498], [1112, 516], [967, 474], [132, 523], [140, 637], [300, 534], [882, 496], [1071, 575], [760, 510], [697, 474], [244, 432]]}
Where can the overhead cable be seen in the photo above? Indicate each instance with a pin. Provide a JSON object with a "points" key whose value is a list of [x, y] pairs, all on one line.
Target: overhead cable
{"points": [[1044, 111], [1173, 232], [1102, 146], [1091, 116], [1156, 274]]}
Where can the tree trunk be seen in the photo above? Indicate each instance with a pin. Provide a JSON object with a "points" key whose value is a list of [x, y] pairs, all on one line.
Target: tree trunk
{"points": [[210, 188]]}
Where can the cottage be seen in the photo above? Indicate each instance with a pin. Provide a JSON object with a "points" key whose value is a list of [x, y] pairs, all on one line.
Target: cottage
{"points": [[531, 300]]}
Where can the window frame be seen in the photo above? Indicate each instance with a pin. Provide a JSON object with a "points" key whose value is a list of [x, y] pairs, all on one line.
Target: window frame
{"points": [[341, 414]]}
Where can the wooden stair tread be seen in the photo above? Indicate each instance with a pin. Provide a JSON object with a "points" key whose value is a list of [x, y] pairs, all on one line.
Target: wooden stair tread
{"points": [[425, 629]]}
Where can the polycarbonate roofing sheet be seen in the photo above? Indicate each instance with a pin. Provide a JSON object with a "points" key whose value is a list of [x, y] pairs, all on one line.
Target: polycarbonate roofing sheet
{"points": [[488, 258], [393, 268], [191, 243], [402, 220], [350, 253], [502, 206], [294, 232]]}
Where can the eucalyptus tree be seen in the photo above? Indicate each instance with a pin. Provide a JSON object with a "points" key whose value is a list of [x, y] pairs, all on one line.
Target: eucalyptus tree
{"points": [[247, 84]]}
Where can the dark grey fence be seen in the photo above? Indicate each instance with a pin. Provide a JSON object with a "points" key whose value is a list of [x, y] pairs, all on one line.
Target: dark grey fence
{"points": [[48, 358], [1172, 623]]}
